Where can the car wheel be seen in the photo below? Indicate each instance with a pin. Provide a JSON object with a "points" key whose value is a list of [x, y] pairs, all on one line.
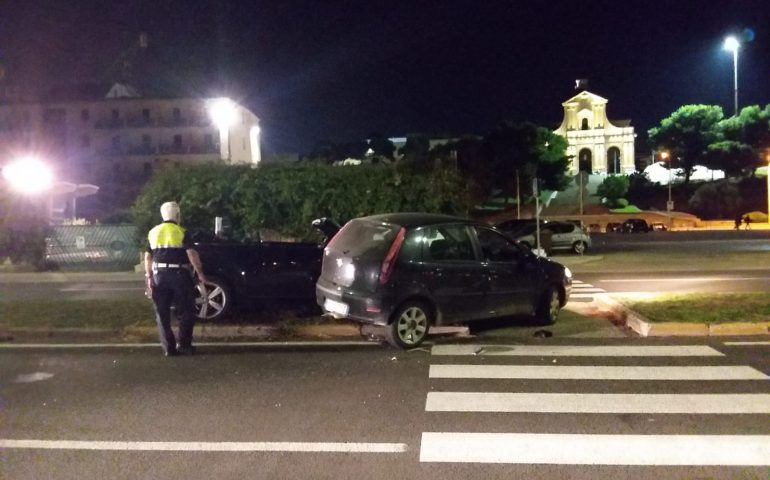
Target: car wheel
{"points": [[579, 247], [410, 325], [212, 299], [549, 307]]}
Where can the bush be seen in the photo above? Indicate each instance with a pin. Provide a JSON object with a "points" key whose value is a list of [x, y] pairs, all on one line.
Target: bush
{"points": [[716, 200], [23, 241], [614, 188], [286, 198]]}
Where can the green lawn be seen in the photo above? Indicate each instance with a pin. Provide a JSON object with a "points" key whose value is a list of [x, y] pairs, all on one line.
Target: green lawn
{"points": [[109, 314], [703, 307], [656, 261]]}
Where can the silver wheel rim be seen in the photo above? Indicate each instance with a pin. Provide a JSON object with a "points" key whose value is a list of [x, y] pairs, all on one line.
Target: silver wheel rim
{"points": [[210, 300], [554, 305], [580, 247], [412, 325]]}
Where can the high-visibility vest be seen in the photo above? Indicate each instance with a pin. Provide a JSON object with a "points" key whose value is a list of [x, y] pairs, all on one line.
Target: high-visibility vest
{"points": [[166, 235]]}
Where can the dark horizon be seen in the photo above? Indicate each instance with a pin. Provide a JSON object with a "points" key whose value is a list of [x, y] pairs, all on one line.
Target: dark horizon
{"points": [[341, 71]]}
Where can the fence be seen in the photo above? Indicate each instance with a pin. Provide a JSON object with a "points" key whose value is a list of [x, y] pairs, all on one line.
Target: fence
{"points": [[102, 247]]}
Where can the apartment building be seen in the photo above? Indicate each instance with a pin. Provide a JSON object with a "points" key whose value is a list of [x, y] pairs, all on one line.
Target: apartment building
{"points": [[123, 134]]}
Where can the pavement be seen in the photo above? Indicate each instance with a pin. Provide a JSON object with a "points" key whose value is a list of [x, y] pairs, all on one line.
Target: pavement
{"points": [[325, 328]]}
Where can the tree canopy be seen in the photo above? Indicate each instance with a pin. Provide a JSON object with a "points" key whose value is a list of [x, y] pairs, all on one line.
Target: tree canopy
{"points": [[686, 134]]}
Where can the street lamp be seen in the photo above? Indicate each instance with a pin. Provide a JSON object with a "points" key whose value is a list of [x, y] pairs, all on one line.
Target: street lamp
{"points": [[732, 44], [669, 205], [28, 175], [222, 111]]}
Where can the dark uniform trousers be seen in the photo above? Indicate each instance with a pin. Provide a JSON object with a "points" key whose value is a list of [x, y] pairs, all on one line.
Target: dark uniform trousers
{"points": [[174, 286]]}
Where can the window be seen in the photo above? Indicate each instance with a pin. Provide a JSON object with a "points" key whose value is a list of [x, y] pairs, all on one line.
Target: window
{"points": [[115, 114], [497, 248], [116, 142], [85, 115], [146, 114], [146, 140], [584, 124], [208, 140], [448, 243], [176, 114], [177, 141], [85, 141]]}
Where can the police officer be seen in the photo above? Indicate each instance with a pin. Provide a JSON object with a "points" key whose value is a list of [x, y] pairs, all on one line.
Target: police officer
{"points": [[169, 263]]}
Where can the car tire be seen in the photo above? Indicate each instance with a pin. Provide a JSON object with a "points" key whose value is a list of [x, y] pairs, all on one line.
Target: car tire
{"points": [[579, 247], [548, 307], [213, 300], [410, 325]]}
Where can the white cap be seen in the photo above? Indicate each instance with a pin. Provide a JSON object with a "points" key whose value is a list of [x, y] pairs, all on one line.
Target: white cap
{"points": [[170, 211]]}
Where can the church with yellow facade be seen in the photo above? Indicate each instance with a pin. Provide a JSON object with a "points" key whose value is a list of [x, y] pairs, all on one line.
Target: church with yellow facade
{"points": [[596, 144]]}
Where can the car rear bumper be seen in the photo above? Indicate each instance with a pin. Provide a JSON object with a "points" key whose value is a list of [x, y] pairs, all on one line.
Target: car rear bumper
{"points": [[340, 303]]}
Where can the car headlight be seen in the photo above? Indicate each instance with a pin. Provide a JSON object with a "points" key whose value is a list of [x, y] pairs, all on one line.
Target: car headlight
{"points": [[567, 272]]}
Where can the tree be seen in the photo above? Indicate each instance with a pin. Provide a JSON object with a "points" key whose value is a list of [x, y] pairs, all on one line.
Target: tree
{"points": [[414, 153], [529, 151], [614, 189], [742, 143], [686, 134], [382, 146]]}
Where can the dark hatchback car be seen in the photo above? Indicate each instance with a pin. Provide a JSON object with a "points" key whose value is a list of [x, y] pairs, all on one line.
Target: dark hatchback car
{"points": [[408, 271], [635, 225]]}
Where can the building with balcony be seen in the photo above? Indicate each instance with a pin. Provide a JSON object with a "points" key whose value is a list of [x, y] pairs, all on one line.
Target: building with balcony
{"points": [[123, 134], [596, 144]]}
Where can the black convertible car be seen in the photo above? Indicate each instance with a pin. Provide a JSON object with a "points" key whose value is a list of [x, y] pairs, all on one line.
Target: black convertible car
{"points": [[253, 272]]}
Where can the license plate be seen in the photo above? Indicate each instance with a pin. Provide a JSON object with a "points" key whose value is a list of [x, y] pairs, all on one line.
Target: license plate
{"points": [[334, 306]]}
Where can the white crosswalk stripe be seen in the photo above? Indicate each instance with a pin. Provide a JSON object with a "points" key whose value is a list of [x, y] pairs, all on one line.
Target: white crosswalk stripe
{"points": [[584, 290], [467, 366]]}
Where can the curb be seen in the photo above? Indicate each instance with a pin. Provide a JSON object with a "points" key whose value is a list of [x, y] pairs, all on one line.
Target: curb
{"points": [[645, 328]]}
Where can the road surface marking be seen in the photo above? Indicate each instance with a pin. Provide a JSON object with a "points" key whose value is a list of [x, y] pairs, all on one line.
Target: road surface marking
{"points": [[579, 351], [13, 346], [343, 447], [597, 403], [684, 279], [595, 372], [98, 289], [568, 449], [734, 344]]}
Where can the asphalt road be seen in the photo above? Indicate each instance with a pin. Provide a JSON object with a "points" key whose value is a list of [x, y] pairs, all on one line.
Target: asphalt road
{"points": [[386, 414]]}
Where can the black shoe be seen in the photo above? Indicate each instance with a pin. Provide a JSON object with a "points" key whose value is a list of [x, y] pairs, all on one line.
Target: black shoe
{"points": [[171, 353]]}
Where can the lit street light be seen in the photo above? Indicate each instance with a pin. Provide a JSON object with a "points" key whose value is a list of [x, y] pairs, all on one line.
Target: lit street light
{"points": [[28, 175], [732, 44], [222, 111], [670, 204]]}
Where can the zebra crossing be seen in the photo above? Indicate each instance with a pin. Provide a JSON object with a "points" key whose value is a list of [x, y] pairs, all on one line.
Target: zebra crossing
{"points": [[482, 380], [582, 290]]}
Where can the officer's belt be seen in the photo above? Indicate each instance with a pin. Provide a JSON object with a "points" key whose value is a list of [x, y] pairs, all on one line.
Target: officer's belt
{"points": [[157, 265]]}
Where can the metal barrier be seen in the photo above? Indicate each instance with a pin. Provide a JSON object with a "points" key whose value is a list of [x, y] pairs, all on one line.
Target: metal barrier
{"points": [[107, 247]]}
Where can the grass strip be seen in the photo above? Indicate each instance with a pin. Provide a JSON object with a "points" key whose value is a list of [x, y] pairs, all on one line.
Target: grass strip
{"points": [[111, 314], [708, 308], [660, 260]]}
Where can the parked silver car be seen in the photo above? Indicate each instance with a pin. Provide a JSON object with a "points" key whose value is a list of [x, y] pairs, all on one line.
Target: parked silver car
{"points": [[564, 236]]}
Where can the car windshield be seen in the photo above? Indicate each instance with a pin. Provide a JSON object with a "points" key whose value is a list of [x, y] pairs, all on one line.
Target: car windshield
{"points": [[363, 238]]}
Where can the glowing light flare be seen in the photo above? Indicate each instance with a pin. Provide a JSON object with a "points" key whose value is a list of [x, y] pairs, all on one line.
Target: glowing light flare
{"points": [[732, 44], [222, 111], [28, 175]]}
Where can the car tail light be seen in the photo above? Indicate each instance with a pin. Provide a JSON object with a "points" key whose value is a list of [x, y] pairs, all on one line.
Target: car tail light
{"points": [[390, 259]]}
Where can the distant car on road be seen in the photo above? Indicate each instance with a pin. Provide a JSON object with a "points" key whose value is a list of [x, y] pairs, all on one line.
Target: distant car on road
{"points": [[563, 236], [635, 225], [408, 271], [658, 227], [613, 227]]}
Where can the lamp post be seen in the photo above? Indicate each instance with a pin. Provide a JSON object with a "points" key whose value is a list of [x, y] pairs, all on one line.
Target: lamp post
{"points": [[732, 44], [768, 186], [30, 176], [665, 157], [222, 113]]}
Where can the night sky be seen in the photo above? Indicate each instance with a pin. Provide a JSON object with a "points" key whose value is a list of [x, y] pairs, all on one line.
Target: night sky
{"points": [[340, 71]]}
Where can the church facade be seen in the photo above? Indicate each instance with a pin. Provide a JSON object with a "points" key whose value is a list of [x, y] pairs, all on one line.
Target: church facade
{"points": [[596, 144]]}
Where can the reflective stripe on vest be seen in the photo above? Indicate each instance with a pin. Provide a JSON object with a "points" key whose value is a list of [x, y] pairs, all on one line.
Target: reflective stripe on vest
{"points": [[166, 235]]}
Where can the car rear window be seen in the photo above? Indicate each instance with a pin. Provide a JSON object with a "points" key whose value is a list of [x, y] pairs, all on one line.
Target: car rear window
{"points": [[361, 238]]}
